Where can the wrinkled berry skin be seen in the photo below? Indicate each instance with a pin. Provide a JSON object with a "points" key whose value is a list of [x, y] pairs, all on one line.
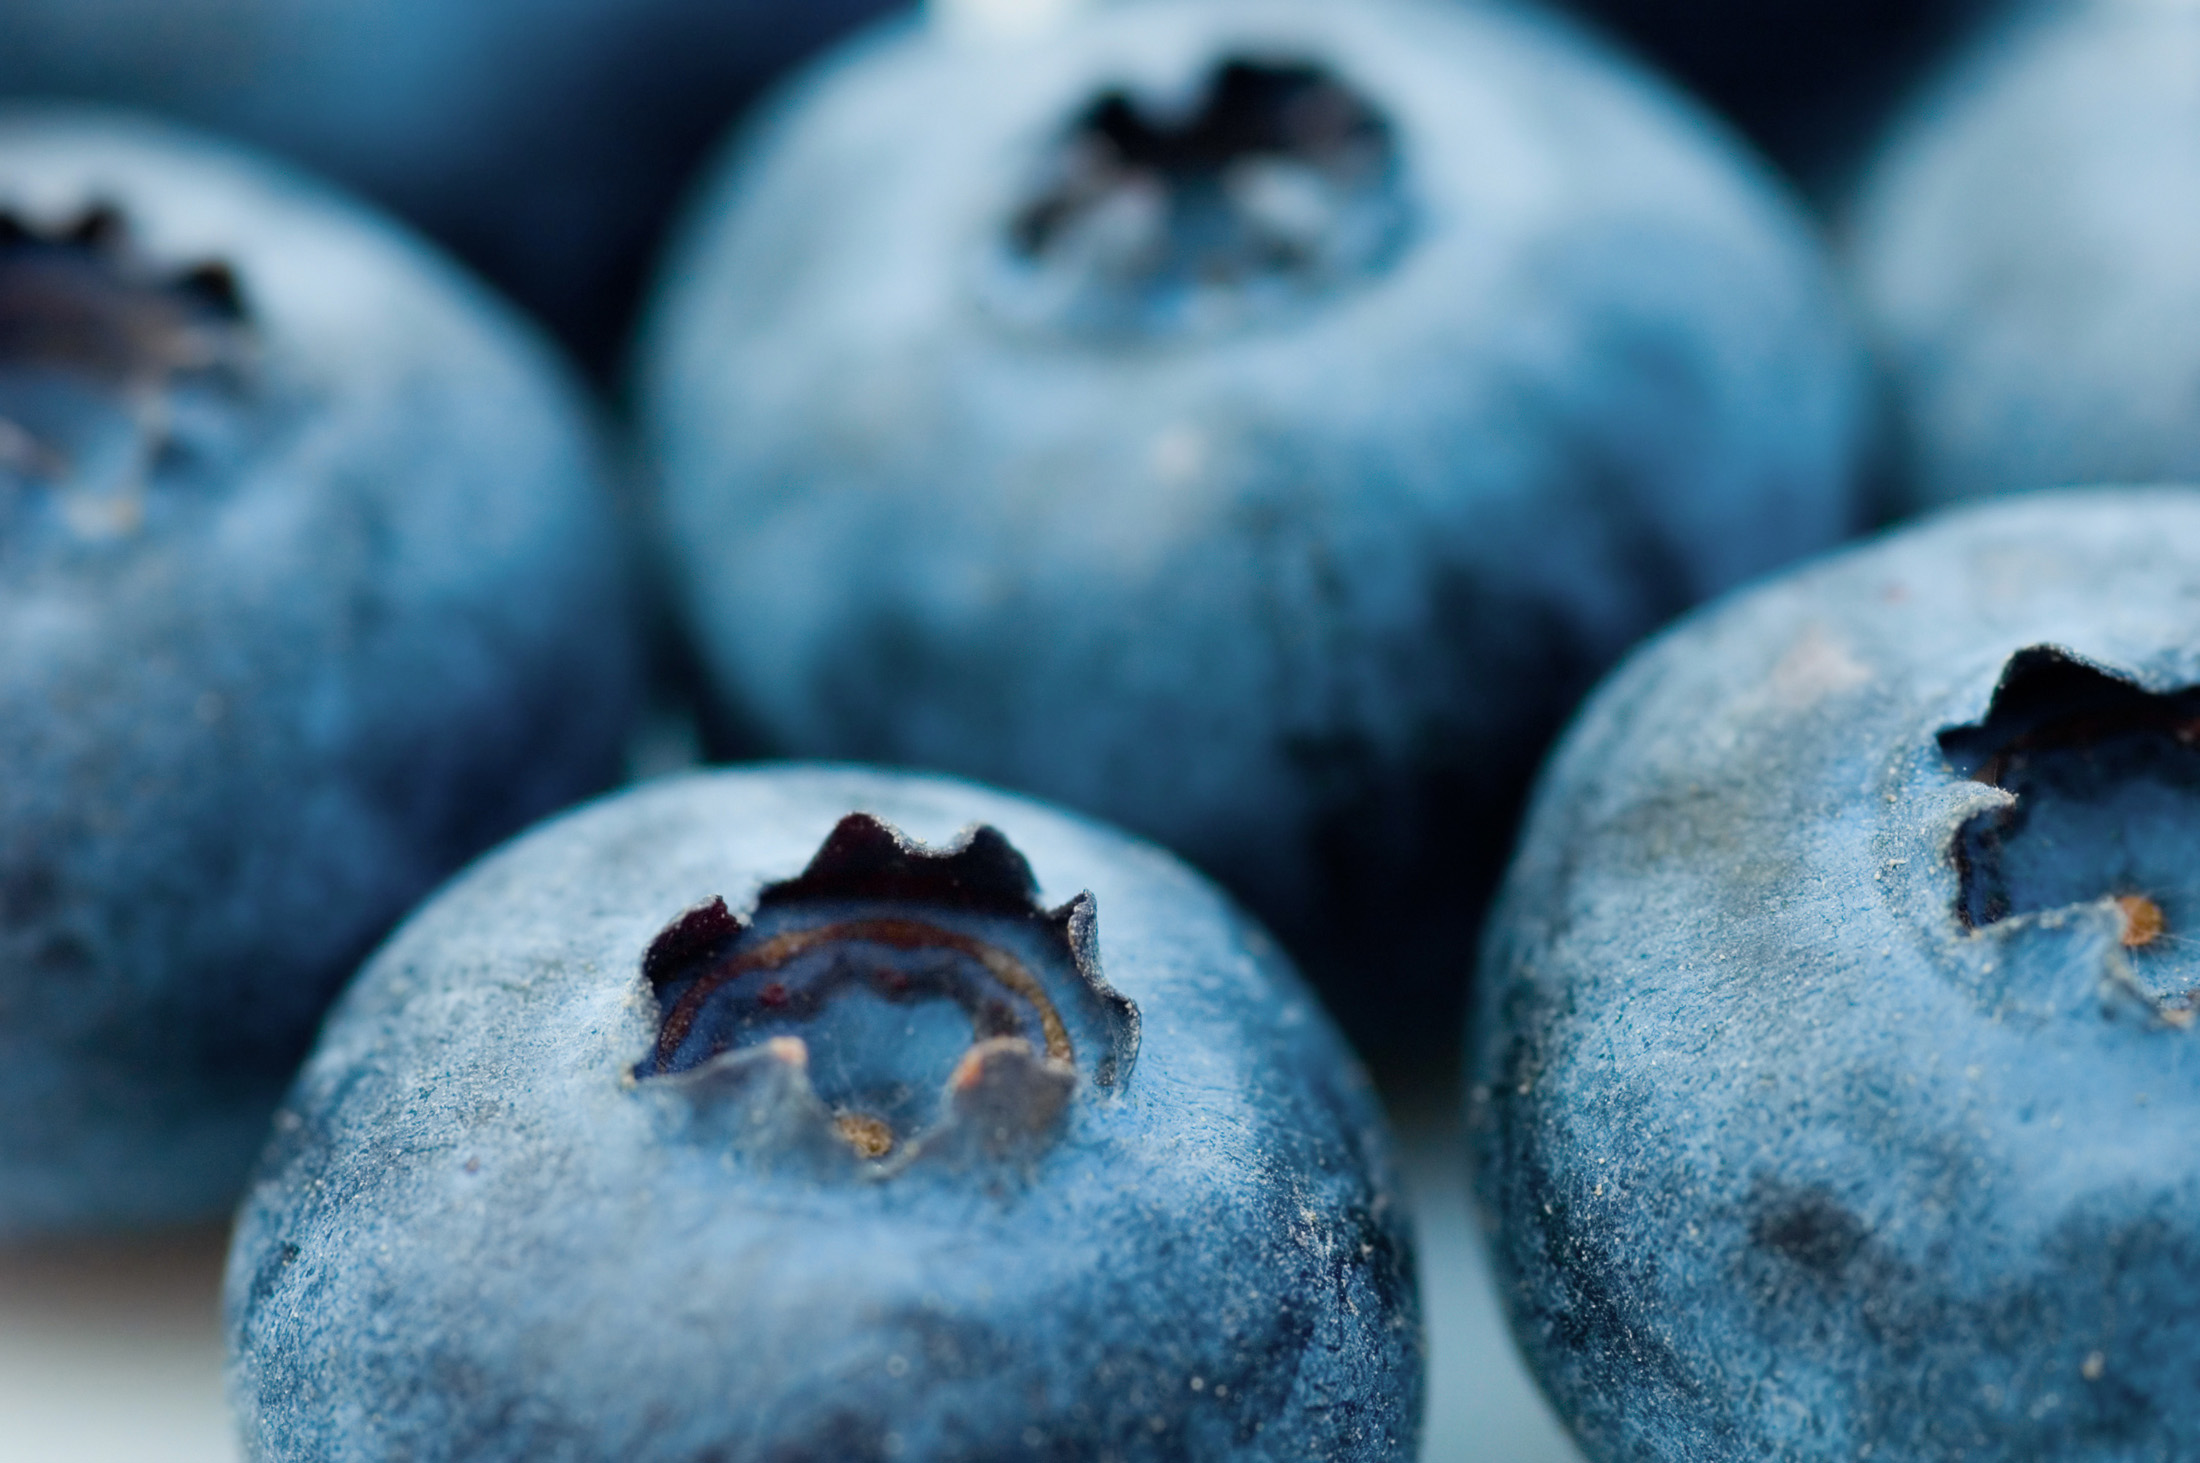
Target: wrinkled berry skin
{"points": [[309, 591], [544, 140], [2013, 248], [1295, 573], [486, 1230], [1836, 1067]]}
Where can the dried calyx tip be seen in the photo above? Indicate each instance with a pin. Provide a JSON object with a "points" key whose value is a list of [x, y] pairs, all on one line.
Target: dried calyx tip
{"points": [[1278, 184], [869, 1137], [2092, 758], [79, 302], [2143, 922], [82, 296]]}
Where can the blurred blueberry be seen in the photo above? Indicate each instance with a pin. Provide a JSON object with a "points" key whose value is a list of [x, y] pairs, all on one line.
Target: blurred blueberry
{"points": [[717, 1120], [544, 140], [1253, 422], [2018, 245], [309, 590], [1810, 80], [1837, 1067]]}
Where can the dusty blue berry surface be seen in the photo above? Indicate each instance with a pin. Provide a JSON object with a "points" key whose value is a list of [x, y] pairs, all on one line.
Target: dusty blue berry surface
{"points": [[309, 591], [2015, 247], [545, 140], [1836, 1064], [1251, 422], [725, 1119]]}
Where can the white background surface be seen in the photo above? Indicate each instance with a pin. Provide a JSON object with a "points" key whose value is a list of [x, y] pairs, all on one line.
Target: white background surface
{"points": [[111, 1354]]}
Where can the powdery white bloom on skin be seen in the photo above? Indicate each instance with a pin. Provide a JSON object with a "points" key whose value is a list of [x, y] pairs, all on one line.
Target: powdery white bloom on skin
{"points": [[808, 1112], [1836, 1047], [1254, 423], [309, 591]]}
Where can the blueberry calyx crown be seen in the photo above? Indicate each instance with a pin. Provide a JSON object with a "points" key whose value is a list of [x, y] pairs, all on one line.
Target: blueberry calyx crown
{"points": [[822, 1027], [80, 301], [2106, 782], [1277, 185]]}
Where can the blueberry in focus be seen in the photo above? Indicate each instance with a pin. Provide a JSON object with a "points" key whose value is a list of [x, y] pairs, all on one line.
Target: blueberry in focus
{"points": [[309, 591], [544, 140], [1252, 422], [1835, 1070], [724, 1119], [2017, 248]]}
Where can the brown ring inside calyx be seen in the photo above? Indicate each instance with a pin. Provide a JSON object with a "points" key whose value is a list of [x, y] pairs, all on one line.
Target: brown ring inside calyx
{"points": [[900, 934]]}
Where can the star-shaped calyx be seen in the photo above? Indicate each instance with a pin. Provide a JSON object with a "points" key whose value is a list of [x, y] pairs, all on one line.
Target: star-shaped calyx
{"points": [[80, 303], [891, 1004], [2104, 813], [1275, 185]]}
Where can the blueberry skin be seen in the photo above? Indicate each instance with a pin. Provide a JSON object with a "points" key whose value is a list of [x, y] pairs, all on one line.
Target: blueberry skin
{"points": [[476, 1235], [545, 140], [2012, 249], [1830, 1102], [1296, 581], [338, 621]]}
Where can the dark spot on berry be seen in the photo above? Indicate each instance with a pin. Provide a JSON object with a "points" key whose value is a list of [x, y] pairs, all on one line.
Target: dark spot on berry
{"points": [[64, 954], [270, 1273], [28, 893], [1808, 1226]]}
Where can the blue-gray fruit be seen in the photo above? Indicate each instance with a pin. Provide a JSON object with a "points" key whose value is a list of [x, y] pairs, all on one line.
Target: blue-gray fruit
{"points": [[309, 591], [2016, 249], [1253, 422], [545, 140], [722, 1120], [1836, 1075]]}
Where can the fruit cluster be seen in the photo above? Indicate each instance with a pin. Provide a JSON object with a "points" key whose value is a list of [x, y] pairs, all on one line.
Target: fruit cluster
{"points": [[1255, 423]]}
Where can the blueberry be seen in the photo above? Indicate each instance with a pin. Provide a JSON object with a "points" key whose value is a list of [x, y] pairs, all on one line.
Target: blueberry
{"points": [[544, 139], [1836, 1075], [309, 591], [717, 1120], [2014, 246], [1253, 423]]}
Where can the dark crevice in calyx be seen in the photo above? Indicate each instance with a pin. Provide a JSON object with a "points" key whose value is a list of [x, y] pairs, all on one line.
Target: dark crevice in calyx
{"points": [[1276, 184], [96, 339], [2106, 778], [889, 1003]]}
